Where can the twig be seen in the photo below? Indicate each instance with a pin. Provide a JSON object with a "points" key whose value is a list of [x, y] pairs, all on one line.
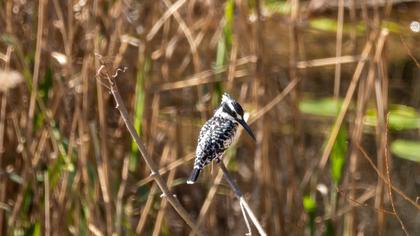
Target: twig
{"points": [[410, 54], [241, 198], [389, 183], [149, 162]]}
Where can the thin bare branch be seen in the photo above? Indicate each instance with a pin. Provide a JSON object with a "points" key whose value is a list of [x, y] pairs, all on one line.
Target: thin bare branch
{"points": [[149, 162]]}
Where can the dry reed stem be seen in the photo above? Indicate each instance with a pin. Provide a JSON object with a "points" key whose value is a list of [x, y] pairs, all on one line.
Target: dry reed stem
{"points": [[203, 77], [146, 209], [149, 162], [346, 103], [232, 64], [103, 139], [94, 230], [327, 61], [338, 48], [389, 183], [173, 8], [120, 195], [47, 217], [3, 96], [34, 88], [365, 88], [397, 190], [257, 115], [187, 32], [101, 174], [241, 199], [360, 201], [3, 186], [19, 199], [382, 97], [104, 157], [368, 194]]}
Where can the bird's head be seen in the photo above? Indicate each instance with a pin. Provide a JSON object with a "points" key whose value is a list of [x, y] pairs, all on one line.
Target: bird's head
{"points": [[231, 109]]}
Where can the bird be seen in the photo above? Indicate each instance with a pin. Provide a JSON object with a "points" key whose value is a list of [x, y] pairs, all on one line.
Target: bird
{"points": [[217, 134]]}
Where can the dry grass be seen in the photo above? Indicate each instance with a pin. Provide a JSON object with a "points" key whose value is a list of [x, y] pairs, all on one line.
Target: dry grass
{"points": [[69, 167]]}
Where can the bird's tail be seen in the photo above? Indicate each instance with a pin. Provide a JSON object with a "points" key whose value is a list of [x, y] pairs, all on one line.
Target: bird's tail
{"points": [[194, 176]]}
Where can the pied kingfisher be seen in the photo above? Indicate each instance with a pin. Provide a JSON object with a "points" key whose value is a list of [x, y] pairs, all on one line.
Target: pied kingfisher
{"points": [[217, 134]]}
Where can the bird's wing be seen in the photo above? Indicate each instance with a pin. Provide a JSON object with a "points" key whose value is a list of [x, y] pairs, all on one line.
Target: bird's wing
{"points": [[219, 137]]}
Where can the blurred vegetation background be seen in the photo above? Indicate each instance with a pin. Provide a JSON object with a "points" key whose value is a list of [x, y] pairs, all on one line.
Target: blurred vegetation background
{"points": [[332, 89]]}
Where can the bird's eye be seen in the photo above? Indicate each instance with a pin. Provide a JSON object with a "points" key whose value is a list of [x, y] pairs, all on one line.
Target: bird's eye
{"points": [[238, 109]]}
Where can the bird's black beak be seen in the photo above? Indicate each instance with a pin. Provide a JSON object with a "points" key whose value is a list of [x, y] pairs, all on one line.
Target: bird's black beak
{"points": [[247, 128]]}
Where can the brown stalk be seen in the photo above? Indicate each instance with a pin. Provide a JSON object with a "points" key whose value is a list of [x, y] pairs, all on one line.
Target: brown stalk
{"points": [[363, 198], [34, 90], [296, 144], [338, 47], [146, 209], [94, 230], [261, 112], [365, 90], [188, 35], [327, 61], [3, 107], [82, 100], [103, 138], [408, 50], [368, 194], [149, 162], [19, 199], [346, 103], [397, 190], [381, 90], [120, 195], [171, 10], [104, 157], [232, 64], [101, 173], [381, 131], [203, 77], [47, 217], [2, 150]]}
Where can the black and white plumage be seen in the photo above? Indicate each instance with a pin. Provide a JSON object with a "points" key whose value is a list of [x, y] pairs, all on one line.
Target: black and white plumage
{"points": [[217, 134]]}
